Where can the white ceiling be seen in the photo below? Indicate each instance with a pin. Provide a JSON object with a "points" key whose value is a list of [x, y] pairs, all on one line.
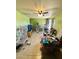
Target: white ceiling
{"points": [[26, 6]]}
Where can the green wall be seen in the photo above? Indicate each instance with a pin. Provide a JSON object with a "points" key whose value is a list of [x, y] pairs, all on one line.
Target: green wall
{"points": [[58, 24], [41, 21], [21, 19]]}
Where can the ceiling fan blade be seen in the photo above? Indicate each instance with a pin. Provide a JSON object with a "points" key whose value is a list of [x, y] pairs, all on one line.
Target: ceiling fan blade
{"points": [[45, 12]]}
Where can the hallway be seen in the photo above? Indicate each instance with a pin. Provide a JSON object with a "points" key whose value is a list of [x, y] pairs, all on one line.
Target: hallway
{"points": [[33, 51]]}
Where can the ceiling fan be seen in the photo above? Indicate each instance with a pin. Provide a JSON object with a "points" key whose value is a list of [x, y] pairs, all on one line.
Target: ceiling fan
{"points": [[42, 12]]}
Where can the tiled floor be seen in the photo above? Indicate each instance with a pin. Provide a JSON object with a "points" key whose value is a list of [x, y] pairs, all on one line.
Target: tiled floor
{"points": [[33, 51]]}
